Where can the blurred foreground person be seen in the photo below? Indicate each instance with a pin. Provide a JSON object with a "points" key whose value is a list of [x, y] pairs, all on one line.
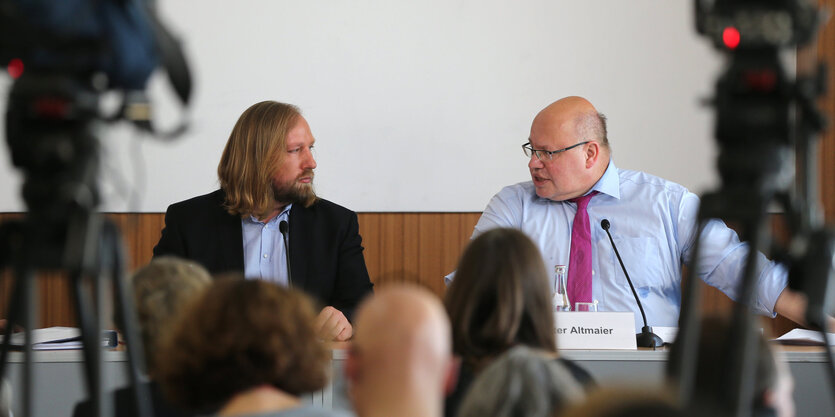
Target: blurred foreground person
{"points": [[400, 362], [245, 348], [522, 382], [500, 298], [160, 291], [773, 384]]}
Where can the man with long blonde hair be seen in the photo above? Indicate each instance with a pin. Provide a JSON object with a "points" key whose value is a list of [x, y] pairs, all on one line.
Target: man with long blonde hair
{"points": [[266, 198]]}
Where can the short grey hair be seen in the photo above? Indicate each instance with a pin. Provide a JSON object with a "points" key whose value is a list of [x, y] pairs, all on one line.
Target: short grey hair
{"points": [[522, 382], [592, 126], [160, 291]]}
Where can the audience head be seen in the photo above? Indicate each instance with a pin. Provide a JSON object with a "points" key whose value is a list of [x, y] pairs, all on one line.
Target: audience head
{"points": [[257, 169], [239, 335], [522, 382], [560, 126], [160, 291], [773, 384], [500, 297], [400, 358]]}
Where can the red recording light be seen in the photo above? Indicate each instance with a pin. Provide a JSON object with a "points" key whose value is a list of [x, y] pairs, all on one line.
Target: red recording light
{"points": [[15, 68], [730, 36], [762, 81]]}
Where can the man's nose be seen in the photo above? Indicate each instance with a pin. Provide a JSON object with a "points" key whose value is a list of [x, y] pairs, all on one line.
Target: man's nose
{"points": [[534, 162], [309, 161]]}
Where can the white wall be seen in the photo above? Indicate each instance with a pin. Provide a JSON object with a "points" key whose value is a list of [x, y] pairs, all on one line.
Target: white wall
{"points": [[420, 105]]}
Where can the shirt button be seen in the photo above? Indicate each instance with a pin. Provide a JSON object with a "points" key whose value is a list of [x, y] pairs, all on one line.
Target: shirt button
{"points": [[265, 256]]}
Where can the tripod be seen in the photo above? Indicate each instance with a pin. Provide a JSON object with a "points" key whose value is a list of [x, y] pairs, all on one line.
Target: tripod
{"points": [[764, 122], [88, 248]]}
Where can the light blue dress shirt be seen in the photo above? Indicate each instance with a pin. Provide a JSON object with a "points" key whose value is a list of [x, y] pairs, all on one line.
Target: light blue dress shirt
{"points": [[264, 252], [653, 224]]}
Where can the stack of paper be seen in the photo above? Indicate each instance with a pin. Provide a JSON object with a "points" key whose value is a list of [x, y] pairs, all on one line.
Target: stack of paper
{"points": [[58, 338], [806, 337]]}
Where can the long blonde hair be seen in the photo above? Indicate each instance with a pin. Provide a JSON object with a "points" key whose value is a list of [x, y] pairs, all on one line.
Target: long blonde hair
{"points": [[249, 159]]}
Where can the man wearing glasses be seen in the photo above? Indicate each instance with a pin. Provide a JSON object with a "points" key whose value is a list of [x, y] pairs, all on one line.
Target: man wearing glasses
{"points": [[575, 185]]}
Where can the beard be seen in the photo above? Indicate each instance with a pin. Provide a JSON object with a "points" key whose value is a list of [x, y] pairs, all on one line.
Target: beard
{"points": [[295, 192]]}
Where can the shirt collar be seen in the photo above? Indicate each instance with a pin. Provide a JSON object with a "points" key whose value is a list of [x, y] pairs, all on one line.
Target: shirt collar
{"points": [[283, 214], [609, 183]]}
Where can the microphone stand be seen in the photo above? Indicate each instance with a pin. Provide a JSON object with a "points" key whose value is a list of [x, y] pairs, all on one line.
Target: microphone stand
{"points": [[284, 228], [646, 338]]}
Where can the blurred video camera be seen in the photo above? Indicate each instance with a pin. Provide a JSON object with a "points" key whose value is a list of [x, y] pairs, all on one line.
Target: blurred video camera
{"points": [[755, 95], [766, 120], [63, 55]]}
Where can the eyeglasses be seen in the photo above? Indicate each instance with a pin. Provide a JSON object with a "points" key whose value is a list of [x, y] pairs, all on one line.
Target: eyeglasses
{"points": [[544, 155]]}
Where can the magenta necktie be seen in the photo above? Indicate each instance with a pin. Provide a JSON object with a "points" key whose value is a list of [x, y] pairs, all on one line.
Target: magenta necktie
{"points": [[579, 261]]}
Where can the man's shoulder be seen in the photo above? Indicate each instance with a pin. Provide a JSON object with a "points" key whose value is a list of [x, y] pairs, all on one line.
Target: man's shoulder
{"points": [[214, 198], [327, 207], [522, 194], [521, 190], [643, 179]]}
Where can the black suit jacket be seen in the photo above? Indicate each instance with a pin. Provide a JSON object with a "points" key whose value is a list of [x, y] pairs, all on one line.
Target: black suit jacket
{"points": [[326, 257]]}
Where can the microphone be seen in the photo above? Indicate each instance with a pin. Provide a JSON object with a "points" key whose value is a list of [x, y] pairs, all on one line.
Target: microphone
{"points": [[284, 228], [646, 338]]}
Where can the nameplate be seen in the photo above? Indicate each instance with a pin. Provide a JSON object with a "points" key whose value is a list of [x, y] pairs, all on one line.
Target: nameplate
{"points": [[595, 330]]}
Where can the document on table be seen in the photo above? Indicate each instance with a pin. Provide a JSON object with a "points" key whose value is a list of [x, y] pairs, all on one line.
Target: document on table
{"points": [[60, 338], [805, 337], [667, 334]]}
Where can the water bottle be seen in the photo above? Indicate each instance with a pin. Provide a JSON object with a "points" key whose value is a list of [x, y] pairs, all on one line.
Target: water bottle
{"points": [[560, 299]]}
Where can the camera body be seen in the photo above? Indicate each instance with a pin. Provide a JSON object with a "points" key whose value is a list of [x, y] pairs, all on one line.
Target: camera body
{"points": [[68, 53]]}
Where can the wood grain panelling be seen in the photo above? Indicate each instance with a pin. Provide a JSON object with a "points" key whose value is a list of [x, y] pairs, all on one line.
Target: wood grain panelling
{"points": [[411, 247], [823, 50], [826, 53], [399, 247]]}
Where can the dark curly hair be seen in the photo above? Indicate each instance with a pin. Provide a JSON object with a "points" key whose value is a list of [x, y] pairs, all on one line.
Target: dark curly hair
{"points": [[238, 335]]}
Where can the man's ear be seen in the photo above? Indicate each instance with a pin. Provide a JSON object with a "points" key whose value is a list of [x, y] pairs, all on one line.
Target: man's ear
{"points": [[592, 153], [451, 377]]}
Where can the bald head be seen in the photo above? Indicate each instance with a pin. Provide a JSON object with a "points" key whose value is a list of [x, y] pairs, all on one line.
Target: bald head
{"points": [[569, 171], [401, 350], [403, 319], [573, 116]]}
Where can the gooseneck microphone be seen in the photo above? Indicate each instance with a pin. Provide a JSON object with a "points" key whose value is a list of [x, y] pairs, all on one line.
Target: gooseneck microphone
{"points": [[646, 338], [283, 227]]}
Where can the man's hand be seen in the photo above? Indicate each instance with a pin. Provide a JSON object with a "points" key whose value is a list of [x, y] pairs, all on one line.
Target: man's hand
{"points": [[333, 326]]}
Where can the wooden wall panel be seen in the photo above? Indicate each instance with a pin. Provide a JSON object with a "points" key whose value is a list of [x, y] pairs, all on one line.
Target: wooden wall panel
{"points": [[411, 247], [825, 52], [399, 247]]}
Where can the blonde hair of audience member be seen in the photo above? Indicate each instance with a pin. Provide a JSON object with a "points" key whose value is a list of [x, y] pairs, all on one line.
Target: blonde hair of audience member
{"points": [[522, 382], [255, 148], [500, 298], [625, 402], [773, 384], [246, 346], [400, 361], [161, 289]]}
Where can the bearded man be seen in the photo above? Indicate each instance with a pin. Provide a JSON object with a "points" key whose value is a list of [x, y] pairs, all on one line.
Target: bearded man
{"points": [[266, 190]]}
